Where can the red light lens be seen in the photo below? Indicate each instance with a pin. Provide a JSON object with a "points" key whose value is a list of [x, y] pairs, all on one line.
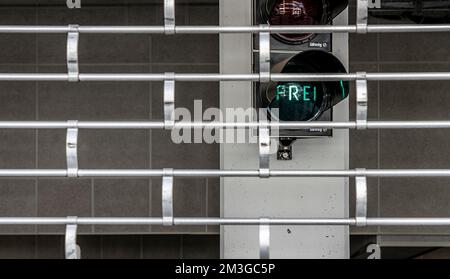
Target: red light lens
{"points": [[296, 12]]}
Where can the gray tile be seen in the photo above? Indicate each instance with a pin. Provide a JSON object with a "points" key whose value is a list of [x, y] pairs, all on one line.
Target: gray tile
{"points": [[201, 247], [121, 247], [95, 101], [17, 247], [415, 149], [17, 199], [185, 49], [121, 198], [52, 149], [362, 47], [115, 149], [414, 100], [162, 246], [17, 99], [92, 48], [88, 15], [17, 149], [50, 247], [91, 246], [97, 149], [189, 197], [426, 46], [213, 201], [415, 197], [203, 14], [18, 48], [62, 198]]}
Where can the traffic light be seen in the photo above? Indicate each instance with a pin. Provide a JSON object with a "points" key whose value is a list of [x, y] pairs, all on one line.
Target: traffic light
{"points": [[297, 54], [306, 101], [299, 12]]}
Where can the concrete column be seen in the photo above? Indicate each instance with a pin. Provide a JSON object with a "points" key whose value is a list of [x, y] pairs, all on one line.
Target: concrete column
{"points": [[280, 197]]}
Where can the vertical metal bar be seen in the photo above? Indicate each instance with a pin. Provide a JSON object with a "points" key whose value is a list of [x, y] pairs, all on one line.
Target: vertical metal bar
{"points": [[72, 250], [264, 55], [72, 53], [169, 17], [72, 148], [361, 101], [362, 15], [169, 101], [167, 197], [264, 150], [264, 238], [361, 199]]}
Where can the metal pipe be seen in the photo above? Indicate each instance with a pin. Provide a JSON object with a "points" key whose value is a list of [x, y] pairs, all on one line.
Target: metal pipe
{"points": [[293, 29], [225, 77], [223, 125], [226, 173], [224, 221]]}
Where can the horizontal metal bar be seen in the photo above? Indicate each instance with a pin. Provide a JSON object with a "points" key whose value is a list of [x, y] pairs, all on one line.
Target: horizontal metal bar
{"points": [[227, 29], [224, 221], [223, 125], [226, 173], [225, 77]]}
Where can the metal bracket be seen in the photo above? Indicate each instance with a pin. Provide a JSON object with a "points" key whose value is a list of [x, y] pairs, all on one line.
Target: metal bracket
{"points": [[72, 53], [264, 239], [361, 199], [362, 15], [72, 250], [264, 54], [167, 197], [72, 148], [264, 149], [169, 17], [169, 101], [362, 100], [375, 252]]}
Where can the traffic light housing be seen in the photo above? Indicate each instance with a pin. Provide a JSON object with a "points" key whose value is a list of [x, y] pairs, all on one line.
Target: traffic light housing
{"points": [[299, 53], [299, 12]]}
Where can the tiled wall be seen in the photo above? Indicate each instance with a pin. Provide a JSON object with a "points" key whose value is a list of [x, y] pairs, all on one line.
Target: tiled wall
{"points": [[105, 101], [403, 100], [113, 247], [152, 149]]}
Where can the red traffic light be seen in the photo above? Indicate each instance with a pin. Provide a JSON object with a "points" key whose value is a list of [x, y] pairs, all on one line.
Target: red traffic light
{"points": [[300, 12]]}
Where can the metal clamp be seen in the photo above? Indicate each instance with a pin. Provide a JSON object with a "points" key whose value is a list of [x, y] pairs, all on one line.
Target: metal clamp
{"points": [[72, 148], [362, 100], [167, 197], [264, 238], [264, 54], [72, 53], [72, 249], [169, 101], [264, 149], [361, 16], [361, 199], [169, 17]]}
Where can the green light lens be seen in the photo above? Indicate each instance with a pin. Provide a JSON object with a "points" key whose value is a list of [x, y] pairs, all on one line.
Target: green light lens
{"points": [[296, 101]]}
